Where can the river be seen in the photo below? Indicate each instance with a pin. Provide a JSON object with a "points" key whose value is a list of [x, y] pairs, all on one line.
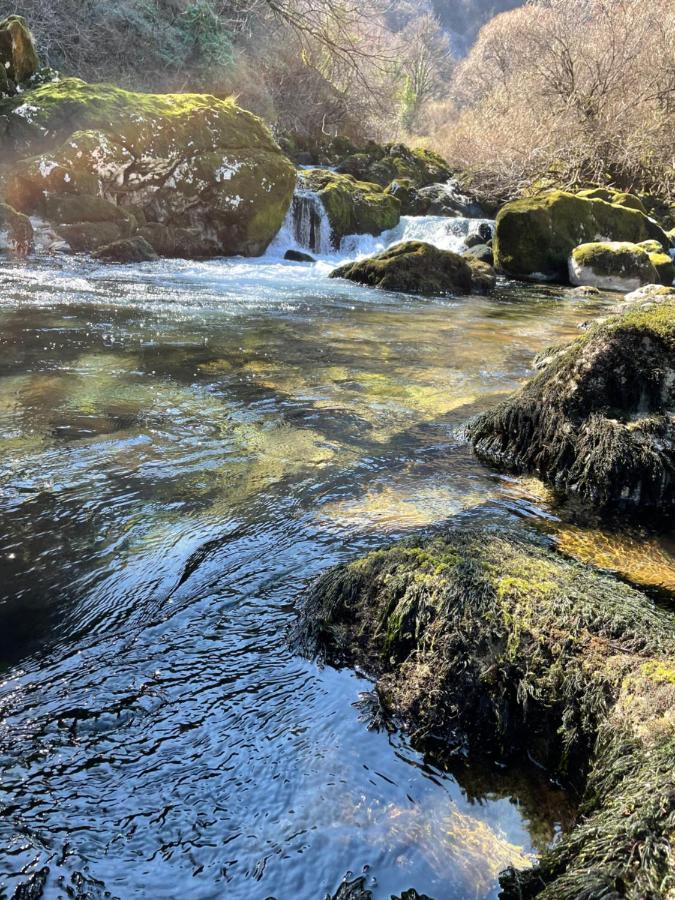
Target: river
{"points": [[183, 446]]}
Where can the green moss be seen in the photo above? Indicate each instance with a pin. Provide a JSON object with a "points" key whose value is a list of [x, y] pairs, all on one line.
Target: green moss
{"points": [[353, 207], [597, 421], [535, 236], [189, 161], [664, 266], [514, 649], [413, 267]]}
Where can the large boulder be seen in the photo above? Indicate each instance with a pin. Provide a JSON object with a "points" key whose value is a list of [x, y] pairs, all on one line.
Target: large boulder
{"points": [[414, 267], [487, 643], [185, 161], [598, 422], [536, 235], [352, 207], [612, 266]]}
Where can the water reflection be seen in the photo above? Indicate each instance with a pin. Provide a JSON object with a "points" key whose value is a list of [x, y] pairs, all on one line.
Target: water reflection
{"points": [[181, 448]]}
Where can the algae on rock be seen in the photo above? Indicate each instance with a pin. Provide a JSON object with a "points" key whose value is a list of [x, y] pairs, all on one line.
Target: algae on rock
{"points": [[416, 267], [599, 421], [493, 644]]}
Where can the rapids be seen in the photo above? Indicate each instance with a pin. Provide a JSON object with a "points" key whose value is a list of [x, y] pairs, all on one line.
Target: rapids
{"points": [[183, 446]]}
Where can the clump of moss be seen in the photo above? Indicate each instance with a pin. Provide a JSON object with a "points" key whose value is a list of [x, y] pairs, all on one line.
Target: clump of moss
{"points": [[597, 422], [492, 643], [416, 267]]}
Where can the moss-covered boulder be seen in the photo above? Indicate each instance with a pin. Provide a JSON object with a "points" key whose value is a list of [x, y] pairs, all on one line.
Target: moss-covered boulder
{"points": [[611, 195], [536, 235], [612, 266], [19, 61], [16, 231], [384, 164], [352, 207], [414, 267], [599, 421], [188, 161], [490, 643]]}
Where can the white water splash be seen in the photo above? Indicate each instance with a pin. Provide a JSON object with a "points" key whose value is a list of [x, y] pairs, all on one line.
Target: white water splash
{"points": [[444, 233]]}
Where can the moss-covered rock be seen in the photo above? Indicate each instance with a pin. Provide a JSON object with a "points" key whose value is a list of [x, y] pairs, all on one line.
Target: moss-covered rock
{"points": [[130, 250], [612, 266], [385, 164], [610, 195], [19, 61], [665, 268], [535, 236], [16, 231], [186, 160], [414, 267], [598, 422], [352, 207], [492, 644], [480, 252]]}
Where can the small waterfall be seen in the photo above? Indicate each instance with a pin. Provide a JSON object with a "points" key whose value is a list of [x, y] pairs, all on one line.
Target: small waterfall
{"points": [[311, 228], [306, 227]]}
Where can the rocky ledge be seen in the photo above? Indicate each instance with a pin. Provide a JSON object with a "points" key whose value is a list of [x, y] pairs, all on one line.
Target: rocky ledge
{"points": [[415, 267], [598, 422], [491, 643]]}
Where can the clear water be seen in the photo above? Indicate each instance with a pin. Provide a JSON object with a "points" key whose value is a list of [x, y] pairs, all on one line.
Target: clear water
{"points": [[182, 446]]}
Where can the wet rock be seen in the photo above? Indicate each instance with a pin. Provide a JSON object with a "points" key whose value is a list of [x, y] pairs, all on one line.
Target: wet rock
{"points": [[179, 243], [535, 236], [415, 267], [612, 266], [352, 207], [130, 250], [298, 256], [489, 642], [480, 252], [598, 423], [188, 161]]}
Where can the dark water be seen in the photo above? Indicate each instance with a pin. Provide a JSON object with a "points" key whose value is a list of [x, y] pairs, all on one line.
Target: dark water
{"points": [[182, 447]]}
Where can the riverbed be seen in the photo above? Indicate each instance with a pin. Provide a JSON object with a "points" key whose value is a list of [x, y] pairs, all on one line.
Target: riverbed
{"points": [[183, 446]]}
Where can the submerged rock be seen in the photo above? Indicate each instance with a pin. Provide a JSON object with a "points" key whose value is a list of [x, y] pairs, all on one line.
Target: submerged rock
{"points": [[612, 266], [185, 161], [298, 256], [131, 250], [536, 235], [414, 267], [352, 207], [492, 644], [599, 421]]}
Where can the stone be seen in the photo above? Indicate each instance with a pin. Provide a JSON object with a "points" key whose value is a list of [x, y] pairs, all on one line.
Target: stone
{"points": [[298, 256], [535, 236], [130, 250], [612, 266], [598, 422], [415, 267], [188, 161]]}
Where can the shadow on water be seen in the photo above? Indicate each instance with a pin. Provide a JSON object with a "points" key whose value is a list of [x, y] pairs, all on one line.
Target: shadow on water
{"points": [[182, 448]]}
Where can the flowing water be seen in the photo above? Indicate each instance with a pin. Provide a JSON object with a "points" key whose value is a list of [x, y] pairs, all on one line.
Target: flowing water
{"points": [[184, 445]]}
